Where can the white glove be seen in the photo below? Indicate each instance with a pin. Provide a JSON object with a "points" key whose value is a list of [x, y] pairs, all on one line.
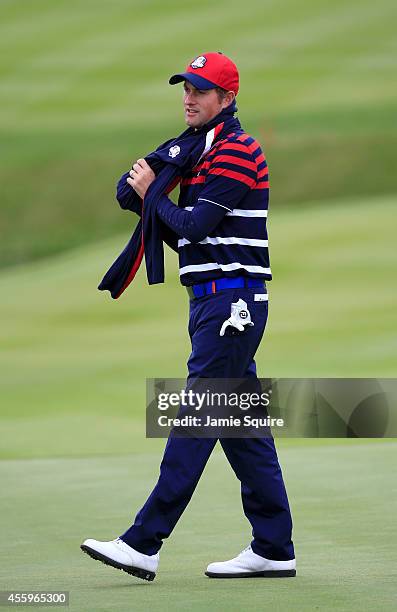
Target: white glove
{"points": [[240, 316]]}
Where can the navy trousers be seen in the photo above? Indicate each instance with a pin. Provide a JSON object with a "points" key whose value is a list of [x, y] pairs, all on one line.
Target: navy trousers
{"points": [[254, 460]]}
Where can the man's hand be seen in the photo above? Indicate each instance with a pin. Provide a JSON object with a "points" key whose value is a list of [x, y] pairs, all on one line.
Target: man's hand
{"points": [[141, 176]]}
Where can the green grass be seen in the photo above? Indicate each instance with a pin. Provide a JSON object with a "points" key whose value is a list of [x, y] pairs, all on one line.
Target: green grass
{"points": [[84, 92], [343, 501], [74, 362], [76, 462]]}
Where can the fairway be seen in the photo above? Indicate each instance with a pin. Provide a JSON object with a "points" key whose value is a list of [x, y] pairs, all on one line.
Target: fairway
{"points": [[76, 463], [83, 93], [344, 506], [74, 362]]}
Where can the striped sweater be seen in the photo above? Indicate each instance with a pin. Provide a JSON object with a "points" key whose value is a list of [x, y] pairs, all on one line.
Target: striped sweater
{"points": [[233, 176]]}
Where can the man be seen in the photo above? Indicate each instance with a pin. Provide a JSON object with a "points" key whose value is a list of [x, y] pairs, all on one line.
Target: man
{"points": [[220, 229]]}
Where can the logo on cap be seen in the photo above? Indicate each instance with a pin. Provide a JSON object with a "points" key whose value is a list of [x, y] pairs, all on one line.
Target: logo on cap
{"points": [[174, 151], [199, 62]]}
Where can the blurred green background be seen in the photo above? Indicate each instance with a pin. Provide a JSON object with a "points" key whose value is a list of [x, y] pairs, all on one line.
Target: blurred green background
{"points": [[83, 92]]}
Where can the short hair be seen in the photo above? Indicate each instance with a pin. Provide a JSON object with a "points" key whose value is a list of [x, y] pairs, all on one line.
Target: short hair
{"points": [[221, 93]]}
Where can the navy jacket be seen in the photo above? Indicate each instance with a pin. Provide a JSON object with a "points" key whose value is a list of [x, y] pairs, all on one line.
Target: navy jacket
{"points": [[169, 161]]}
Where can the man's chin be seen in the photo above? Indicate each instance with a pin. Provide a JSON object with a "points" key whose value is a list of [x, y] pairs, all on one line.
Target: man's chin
{"points": [[193, 122]]}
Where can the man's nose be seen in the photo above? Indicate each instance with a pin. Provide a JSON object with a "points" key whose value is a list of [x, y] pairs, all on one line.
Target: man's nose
{"points": [[189, 97]]}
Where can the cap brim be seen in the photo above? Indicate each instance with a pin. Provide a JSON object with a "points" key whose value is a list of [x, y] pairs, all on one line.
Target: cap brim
{"points": [[194, 79]]}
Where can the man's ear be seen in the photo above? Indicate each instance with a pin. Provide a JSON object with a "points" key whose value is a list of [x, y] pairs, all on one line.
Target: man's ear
{"points": [[228, 99]]}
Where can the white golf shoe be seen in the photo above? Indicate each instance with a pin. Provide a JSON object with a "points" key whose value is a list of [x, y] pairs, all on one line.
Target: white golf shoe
{"points": [[121, 556], [250, 565]]}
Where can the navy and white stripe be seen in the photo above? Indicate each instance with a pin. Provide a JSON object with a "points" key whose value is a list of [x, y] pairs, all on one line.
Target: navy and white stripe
{"points": [[234, 176]]}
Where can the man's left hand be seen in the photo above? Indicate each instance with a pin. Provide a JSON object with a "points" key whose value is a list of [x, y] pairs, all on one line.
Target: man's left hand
{"points": [[141, 176]]}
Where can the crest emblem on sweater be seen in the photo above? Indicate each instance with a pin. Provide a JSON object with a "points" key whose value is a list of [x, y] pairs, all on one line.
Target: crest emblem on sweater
{"points": [[174, 151], [199, 62]]}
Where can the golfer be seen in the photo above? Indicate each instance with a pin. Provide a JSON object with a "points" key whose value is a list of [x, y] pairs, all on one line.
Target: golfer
{"points": [[219, 231]]}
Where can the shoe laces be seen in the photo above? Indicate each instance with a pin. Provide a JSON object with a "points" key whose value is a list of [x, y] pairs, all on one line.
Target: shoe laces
{"points": [[245, 550]]}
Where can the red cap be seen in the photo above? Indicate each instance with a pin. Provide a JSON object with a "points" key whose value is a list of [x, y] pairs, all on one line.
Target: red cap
{"points": [[208, 71]]}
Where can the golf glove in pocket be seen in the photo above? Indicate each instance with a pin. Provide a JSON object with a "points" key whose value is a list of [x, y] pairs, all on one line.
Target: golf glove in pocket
{"points": [[239, 319]]}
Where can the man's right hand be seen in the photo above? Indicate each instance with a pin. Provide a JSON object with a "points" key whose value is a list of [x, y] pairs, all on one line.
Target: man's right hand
{"points": [[141, 176]]}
